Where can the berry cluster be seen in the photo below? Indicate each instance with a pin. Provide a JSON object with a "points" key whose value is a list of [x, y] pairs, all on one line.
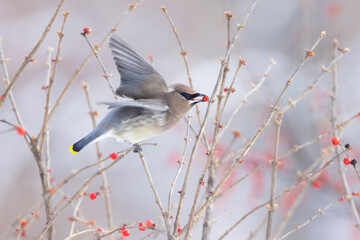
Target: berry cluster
{"points": [[336, 141]]}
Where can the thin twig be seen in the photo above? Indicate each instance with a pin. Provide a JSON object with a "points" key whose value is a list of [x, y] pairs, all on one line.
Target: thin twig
{"points": [[51, 83], [324, 70], [333, 119], [291, 211], [101, 164], [81, 190], [254, 233], [75, 214], [96, 53], [77, 234], [31, 54], [320, 212], [183, 53], [300, 197], [3, 61], [275, 163], [14, 126], [157, 198], [207, 223], [133, 225], [181, 162], [248, 94], [296, 147], [47, 131], [260, 167], [300, 180], [230, 89], [76, 172]]}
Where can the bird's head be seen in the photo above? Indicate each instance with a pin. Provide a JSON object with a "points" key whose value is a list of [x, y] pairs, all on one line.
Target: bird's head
{"points": [[188, 95]]}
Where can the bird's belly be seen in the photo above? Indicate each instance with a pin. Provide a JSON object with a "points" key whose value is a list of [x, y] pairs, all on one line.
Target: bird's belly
{"points": [[138, 134], [142, 127]]}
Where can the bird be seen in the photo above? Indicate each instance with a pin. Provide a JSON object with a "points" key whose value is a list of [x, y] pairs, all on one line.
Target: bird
{"points": [[146, 105]]}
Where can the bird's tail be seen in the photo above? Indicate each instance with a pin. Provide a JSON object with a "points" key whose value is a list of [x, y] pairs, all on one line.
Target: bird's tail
{"points": [[76, 147]]}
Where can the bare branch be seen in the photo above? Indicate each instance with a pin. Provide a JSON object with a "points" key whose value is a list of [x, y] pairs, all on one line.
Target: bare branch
{"points": [[32, 53]]}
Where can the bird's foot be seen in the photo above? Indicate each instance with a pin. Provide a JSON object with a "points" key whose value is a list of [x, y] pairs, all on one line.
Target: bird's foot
{"points": [[137, 148]]}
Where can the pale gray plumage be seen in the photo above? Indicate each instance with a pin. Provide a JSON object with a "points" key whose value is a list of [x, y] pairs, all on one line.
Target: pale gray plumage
{"points": [[146, 107]]}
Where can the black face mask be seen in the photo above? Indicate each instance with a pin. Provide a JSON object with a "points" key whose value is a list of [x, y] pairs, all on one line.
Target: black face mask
{"points": [[189, 96]]}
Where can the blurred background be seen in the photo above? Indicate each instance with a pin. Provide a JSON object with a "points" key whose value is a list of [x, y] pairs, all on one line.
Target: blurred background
{"points": [[276, 29]]}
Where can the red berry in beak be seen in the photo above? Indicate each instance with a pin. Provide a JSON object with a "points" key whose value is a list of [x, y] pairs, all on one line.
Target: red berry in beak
{"points": [[205, 98]]}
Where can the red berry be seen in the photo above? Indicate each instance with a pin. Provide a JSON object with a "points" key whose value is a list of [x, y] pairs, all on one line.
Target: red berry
{"points": [[335, 141], [20, 130], [205, 98], [126, 233], [99, 229], [244, 63], [149, 223], [311, 54], [226, 89], [93, 196], [114, 155], [236, 134], [23, 233], [142, 225], [346, 161], [87, 30], [24, 223], [2, 97], [317, 184]]}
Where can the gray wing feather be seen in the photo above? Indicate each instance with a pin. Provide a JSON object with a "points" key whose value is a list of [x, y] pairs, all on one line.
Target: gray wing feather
{"points": [[150, 104], [138, 78]]}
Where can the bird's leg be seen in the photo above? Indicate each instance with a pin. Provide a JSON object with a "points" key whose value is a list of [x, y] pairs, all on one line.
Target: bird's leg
{"points": [[137, 148]]}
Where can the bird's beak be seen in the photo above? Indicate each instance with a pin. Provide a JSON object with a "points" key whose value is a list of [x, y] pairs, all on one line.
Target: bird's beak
{"points": [[200, 98]]}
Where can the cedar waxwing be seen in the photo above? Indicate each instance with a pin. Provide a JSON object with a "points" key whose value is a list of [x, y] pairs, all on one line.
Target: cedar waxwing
{"points": [[146, 107]]}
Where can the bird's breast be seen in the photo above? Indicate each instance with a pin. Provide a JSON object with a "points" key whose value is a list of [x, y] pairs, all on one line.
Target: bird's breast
{"points": [[137, 129]]}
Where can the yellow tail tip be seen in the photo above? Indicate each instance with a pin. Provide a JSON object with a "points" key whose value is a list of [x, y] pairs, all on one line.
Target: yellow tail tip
{"points": [[72, 150]]}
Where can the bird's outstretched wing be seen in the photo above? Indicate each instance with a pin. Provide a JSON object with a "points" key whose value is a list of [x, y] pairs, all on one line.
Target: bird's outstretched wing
{"points": [[138, 79], [151, 104]]}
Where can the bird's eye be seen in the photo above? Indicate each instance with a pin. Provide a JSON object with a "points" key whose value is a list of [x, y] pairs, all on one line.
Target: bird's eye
{"points": [[189, 96]]}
